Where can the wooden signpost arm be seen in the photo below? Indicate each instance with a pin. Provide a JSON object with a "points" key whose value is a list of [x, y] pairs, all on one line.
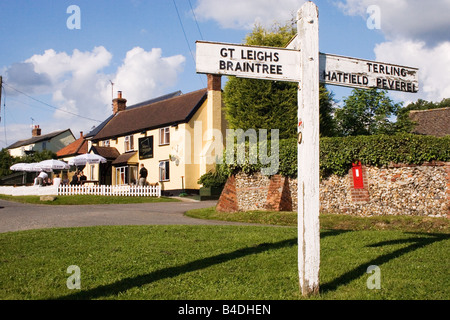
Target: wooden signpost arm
{"points": [[308, 150]]}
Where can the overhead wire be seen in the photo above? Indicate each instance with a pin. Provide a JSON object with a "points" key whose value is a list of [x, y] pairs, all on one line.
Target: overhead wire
{"points": [[196, 22], [4, 112], [50, 106], [185, 36]]}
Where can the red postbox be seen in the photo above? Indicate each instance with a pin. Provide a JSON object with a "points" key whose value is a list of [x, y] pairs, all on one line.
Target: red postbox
{"points": [[358, 181]]}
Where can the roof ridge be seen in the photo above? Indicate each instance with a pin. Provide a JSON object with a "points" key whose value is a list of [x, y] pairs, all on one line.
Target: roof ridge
{"points": [[37, 139], [429, 110], [165, 112], [164, 97], [182, 95]]}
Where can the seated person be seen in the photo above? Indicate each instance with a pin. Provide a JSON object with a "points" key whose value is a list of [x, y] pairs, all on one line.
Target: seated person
{"points": [[83, 178], [75, 181], [65, 180]]}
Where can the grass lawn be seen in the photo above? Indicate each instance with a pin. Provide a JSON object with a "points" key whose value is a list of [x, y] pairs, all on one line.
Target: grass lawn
{"points": [[225, 262], [85, 199], [329, 221]]}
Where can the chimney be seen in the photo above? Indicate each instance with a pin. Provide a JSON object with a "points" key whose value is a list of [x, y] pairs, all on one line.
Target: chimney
{"points": [[81, 134], [119, 104], [215, 119], [214, 82], [36, 131]]}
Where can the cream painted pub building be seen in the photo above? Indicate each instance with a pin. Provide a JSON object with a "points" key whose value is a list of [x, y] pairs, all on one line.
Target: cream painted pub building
{"points": [[177, 137]]}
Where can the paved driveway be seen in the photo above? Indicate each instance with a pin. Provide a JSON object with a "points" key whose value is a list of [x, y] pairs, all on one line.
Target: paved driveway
{"points": [[17, 216]]}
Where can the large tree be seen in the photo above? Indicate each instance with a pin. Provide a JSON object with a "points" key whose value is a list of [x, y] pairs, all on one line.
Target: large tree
{"points": [[263, 104], [367, 112]]}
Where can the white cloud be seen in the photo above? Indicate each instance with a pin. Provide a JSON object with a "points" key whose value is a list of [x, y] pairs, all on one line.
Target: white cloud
{"points": [[418, 35], [79, 85], [433, 64], [75, 81], [238, 14], [145, 74], [407, 19]]}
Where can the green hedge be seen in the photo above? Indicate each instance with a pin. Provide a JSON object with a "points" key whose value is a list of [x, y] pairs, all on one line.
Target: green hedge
{"points": [[338, 154]]}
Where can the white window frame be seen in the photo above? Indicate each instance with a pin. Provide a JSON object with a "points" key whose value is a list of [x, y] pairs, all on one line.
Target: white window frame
{"points": [[129, 143], [106, 143], [121, 175], [92, 172], [126, 175], [164, 136], [164, 170]]}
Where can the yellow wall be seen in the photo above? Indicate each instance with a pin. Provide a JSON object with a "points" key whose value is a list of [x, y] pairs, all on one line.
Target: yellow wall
{"points": [[187, 144]]}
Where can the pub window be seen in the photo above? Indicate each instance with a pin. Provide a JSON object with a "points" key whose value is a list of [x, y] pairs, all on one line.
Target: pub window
{"points": [[129, 143], [121, 175], [106, 143], [164, 136], [92, 172], [164, 173], [126, 175]]}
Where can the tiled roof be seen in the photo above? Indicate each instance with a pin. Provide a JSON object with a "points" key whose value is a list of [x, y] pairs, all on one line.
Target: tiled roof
{"points": [[109, 153], [158, 99], [434, 122], [97, 129], [178, 109], [77, 147], [124, 158], [37, 139]]}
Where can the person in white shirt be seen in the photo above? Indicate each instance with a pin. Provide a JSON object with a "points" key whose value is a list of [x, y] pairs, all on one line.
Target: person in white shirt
{"points": [[56, 180], [42, 177]]}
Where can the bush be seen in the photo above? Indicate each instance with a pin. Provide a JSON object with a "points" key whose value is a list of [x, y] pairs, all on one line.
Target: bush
{"points": [[338, 154], [215, 179]]}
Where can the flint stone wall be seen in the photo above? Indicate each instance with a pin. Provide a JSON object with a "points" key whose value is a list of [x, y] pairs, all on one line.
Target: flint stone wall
{"points": [[396, 190]]}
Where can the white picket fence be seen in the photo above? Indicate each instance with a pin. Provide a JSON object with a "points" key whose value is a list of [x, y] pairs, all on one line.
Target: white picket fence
{"points": [[102, 190]]}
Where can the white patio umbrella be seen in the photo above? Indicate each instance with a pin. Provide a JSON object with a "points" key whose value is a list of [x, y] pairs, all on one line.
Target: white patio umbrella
{"points": [[53, 164], [18, 166], [29, 167], [86, 158]]}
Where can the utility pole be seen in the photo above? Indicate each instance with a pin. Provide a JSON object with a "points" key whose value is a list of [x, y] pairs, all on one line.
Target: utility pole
{"points": [[1, 89]]}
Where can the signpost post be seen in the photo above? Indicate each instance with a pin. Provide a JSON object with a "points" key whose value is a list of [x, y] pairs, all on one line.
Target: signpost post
{"points": [[308, 151], [301, 62]]}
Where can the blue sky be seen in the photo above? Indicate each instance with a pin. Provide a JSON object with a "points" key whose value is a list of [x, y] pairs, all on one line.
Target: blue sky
{"points": [[59, 78]]}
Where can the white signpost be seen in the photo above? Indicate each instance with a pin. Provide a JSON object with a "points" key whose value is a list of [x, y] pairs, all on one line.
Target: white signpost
{"points": [[301, 62], [358, 73], [247, 61]]}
